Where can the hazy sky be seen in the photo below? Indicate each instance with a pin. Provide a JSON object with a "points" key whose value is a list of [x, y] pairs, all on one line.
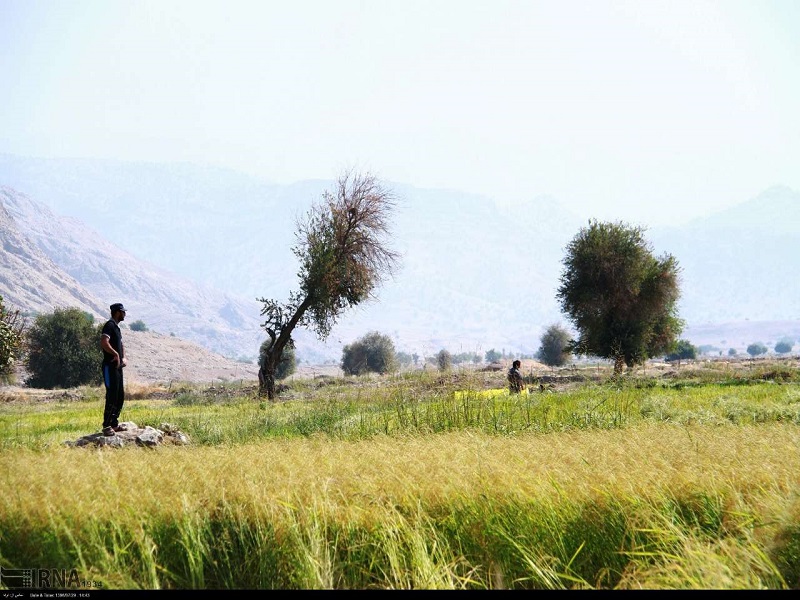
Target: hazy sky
{"points": [[647, 111]]}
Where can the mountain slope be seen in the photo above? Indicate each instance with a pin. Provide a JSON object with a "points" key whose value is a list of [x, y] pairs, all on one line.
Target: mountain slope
{"points": [[474, 275], [29, 279], [739, 264], [65, 250]]}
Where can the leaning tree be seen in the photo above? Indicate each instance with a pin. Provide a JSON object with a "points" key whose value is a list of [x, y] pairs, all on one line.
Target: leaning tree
{"points": [[342, 246], [620, 298]]}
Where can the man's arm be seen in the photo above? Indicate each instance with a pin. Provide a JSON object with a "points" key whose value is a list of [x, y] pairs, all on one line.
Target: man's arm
{"points": [[105, 344]]}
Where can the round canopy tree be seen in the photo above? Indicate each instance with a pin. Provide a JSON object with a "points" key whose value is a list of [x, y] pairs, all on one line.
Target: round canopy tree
{"points": [[620, 298], [64, 350], [683, 350], [553, 349], [374, 353]]}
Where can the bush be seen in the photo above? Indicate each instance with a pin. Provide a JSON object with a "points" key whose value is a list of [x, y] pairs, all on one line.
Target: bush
{"points": [[12, 330], [288, 363], [684, 350], [138, 326], [466, 357], [784, 346], [404, 359], [64, 350], [444, 360], [756, 349], [553, 349], [374, 353], [732, 352], [492, 356]]}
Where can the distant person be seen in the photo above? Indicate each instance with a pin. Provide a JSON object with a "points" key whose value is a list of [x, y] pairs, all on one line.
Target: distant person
{"points": [[515, 382], [113, 363]]}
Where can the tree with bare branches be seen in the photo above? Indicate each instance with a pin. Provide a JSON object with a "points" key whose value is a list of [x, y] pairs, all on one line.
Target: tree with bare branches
{"points": [[344, 255]]}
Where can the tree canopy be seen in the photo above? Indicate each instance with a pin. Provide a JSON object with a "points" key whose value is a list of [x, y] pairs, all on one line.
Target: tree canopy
{"points": [[620, 298]]}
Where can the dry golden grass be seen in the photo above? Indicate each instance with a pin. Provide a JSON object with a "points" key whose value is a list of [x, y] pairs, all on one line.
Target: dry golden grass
{"points": [[353, 478]]}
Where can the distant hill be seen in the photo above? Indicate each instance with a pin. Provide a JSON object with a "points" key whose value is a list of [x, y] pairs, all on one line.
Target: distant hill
{"points": [[44, 256], [740, 264], [474, 275], [29, 279]]}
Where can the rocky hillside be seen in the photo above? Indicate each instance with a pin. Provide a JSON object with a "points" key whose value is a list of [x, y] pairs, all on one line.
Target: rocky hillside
{"points": [[45, 256], [29, 279], [165, 238]]}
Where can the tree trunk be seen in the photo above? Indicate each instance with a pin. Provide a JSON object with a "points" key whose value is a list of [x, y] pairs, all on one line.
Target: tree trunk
{"points": [[619, 365], [266, 380]]}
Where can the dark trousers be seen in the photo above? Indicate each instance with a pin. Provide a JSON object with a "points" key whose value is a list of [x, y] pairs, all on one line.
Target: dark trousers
{"points": [[115, 395]]}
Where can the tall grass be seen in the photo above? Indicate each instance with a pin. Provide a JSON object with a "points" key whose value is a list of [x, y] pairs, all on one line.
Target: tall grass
{"points": [[651, 506]]}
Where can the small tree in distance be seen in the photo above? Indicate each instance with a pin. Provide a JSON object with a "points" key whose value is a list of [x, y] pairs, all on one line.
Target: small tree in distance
{"points": [[620, 298], [138, 326], [784, 347], [492, 356], [374, 352], [344, 255], [756, 349], [288, 363], [553, 346], [444, 360], [684, 350], [404, 359]]}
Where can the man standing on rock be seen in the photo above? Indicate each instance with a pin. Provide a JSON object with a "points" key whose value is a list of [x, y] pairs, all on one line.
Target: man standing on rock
{"points": [[113, 363]]}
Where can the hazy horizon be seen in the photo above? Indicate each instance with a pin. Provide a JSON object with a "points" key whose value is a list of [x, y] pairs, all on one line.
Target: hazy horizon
{"points": [[656, 112]]}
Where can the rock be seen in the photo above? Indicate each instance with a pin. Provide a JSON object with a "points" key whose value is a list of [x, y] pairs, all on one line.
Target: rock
{"points": [[150, 437], [131, 434]]}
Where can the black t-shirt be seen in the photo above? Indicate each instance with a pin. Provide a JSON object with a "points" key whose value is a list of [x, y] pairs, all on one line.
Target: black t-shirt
{"points": [[111, 329]]}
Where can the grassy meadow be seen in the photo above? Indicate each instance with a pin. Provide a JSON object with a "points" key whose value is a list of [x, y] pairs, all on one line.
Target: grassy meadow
{"points": [[682, 480]]}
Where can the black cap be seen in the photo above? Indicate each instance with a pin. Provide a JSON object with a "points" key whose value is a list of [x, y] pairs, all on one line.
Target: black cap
{"points": [[117, 306]]}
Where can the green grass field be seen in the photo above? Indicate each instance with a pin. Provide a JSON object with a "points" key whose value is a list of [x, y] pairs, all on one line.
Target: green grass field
{"points": [[418, 481]]}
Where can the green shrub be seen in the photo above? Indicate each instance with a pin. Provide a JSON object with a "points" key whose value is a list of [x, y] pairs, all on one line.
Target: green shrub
{"points": [[404, 359], [784, 346], [492, 356], [372, 353], [12, 328], [684, 350], [756, 349], [444, 360], [138, 326], [553, 349], [288, 363], [64, 350]]}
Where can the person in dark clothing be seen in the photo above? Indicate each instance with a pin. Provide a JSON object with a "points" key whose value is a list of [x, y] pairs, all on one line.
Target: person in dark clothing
{"points": [[113, 363], [515, 382]]}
